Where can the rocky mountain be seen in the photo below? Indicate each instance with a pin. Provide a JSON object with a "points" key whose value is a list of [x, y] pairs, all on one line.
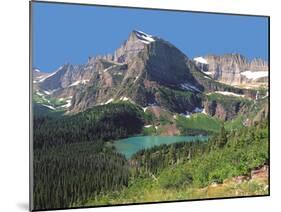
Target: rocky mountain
{"points": [[234, 69], [38, 75], [148, 71], [142, 70]]}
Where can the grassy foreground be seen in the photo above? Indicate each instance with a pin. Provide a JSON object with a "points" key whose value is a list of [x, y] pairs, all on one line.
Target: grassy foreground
{"points": [[149, 190]]}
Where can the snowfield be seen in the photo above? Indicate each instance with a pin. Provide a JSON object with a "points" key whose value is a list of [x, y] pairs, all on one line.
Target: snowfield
{"points": [[207, 72], [49, 106], [41, 80], [124, 98], [108, 101], [79, 82], [254, 74], [68, 104], [226, 93], [201, 60], [189, 87]]}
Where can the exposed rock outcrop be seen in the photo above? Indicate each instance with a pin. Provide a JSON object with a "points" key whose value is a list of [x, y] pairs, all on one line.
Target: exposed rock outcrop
{"points": [[234, 69], [226, 107], [147, 70]]}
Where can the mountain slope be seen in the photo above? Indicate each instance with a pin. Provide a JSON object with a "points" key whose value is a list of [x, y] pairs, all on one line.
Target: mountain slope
{"points": [[146, 70]]}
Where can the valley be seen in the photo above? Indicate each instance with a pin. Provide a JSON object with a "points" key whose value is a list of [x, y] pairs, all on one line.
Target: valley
{"points": [[147, 123], [130, 146]]}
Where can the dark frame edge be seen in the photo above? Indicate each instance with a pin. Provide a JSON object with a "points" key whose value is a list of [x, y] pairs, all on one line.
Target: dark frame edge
{"points": [[269, 138], [31, 177]]}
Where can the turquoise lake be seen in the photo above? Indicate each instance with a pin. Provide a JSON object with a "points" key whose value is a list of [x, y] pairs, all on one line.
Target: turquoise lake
{"points": [[129, 146]]}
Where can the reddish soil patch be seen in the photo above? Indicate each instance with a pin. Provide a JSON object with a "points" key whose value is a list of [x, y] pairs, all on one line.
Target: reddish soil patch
{"points": [[156, 110], [170, 129], [260, 173]]}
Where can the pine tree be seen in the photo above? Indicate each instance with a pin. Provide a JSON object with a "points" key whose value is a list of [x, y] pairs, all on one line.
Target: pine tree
{"points": [[222, 139]]}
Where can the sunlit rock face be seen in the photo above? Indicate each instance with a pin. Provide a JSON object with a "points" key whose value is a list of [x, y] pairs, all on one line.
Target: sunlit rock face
{"points": [[234, 69]]}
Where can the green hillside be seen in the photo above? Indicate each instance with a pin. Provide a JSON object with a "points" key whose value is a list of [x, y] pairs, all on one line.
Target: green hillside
{"points": [[242, 151], [198, 122]]}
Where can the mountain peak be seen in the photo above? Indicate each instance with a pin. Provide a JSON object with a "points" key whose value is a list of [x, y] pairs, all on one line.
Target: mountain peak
{"points": [[136, 42], [143, 37]]}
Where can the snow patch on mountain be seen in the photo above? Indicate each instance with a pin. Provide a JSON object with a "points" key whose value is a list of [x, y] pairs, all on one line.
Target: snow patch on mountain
{"points": [[227, 93], [68, 103], [144, 37], [144, 109], [207, 72], [204, 111], [39, 94], [186, 114], [198, 110], [46, 77], [124, 98], [254, 74], [110, 67], [189, 87], [200, 60], [49, 106], [108, 101], [47, 92], [136, 78], [79, 82]]}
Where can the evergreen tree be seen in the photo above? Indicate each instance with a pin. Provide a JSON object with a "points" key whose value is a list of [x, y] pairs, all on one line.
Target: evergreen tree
{"points": [[222, 139]]}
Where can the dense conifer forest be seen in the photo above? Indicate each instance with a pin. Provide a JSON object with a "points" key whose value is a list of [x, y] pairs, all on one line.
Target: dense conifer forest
{"points": [[71, 162], [70, 173], [73, 165], [100, 123]]}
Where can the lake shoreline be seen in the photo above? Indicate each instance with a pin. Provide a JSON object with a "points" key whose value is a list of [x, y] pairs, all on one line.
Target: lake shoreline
{"points": [[131, 145]]}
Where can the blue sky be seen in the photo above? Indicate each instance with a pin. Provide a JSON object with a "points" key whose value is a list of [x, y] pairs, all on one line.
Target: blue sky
{"points": [[65, 33]]}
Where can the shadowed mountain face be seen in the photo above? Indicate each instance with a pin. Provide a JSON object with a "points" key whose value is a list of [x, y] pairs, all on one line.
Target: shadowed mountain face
{"points": [[146, 70]]}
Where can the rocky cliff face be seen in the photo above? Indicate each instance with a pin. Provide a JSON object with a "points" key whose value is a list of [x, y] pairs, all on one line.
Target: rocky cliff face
{"points": [[145, 70], [223, 111], [149, 71], [234, 69], [135, 43], [37, 75]]}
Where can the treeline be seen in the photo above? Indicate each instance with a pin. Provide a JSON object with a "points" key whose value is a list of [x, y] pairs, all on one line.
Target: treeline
{"points": [[155, 159], [73, 173], [198, 164], [99, 123], [158, 157]]}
